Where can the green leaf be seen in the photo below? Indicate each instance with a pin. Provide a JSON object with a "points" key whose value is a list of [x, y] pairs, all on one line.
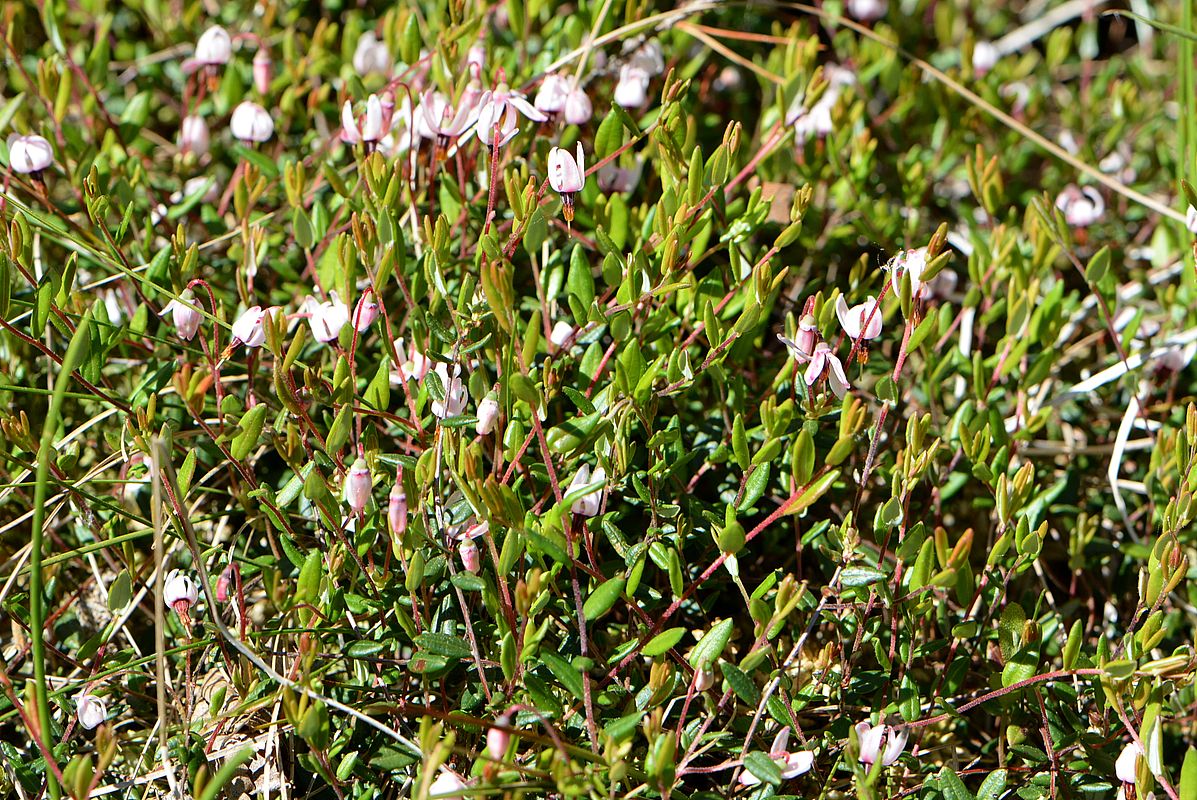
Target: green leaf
{"points": [[609, 136], [993, 785], [442, 644], [230, 767], [603, 598], [712, 644], [741, 683], [563, 671], [763, 767], [861, 576], [663, 642], [121, 591], [251, 428], [951, 785]]}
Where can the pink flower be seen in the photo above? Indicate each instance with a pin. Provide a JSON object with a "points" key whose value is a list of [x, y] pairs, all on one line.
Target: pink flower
{"points": [[248, 328], [860, 321], [446, 785], [180, 592], [808, 336], [912, 262], [1081, 207], [214, 47], [587, 505], [632, 89], [823, 362], [370, 55], [326, 319], [792, 764], [553, 92], [578, 108], [454, 401], [90, 710], [185, 318], [467, 550], [357, 485], [365, 312], [867, 10], [193, 135], [29, 155], [985, 57], [567, 176], [488, 413], [498, 739], [369, 128], [251, 123], [442, 120], [562, 332], [414, 364], [496, 119], [882, 742], [504, 97]]}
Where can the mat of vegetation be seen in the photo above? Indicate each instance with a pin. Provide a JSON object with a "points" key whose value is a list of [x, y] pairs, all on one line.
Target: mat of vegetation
{"points": [[599, 399]]}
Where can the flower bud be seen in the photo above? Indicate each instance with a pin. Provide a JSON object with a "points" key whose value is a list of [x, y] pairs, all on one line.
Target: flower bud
{"points": [[357, 485], [186, 319], [251, 123], [365, 312], [29, 155], [193, 135], [397, 507], [214, 48], [498, 739], [263, 71], [488, 412], [470, 558], [90, 710], [704, 679]]}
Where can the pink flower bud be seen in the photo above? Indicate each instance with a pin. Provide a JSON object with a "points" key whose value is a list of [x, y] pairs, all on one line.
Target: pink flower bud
{"points": [[470, 558], [214, 48], [578, 108], [193, 135], [251, 123], [397, 507], [498, 739], [29, 155], [224, 584], [365, 312], [263, 71], [357, 485], [704, 679], [488, 412], [186, 319]]}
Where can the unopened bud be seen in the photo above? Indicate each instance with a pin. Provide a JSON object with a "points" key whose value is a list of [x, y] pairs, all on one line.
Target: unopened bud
{"points": [[357, 485]]}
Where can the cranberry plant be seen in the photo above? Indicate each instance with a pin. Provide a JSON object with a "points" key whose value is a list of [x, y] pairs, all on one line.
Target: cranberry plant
{"points": [[470, 399]]}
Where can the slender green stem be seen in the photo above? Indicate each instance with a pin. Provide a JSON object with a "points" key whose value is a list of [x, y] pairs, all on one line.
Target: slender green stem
{"points": [[37, 608]]}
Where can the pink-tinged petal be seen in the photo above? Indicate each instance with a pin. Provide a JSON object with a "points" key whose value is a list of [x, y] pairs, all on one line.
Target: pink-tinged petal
{"points": [[870, 741], [779, 742], [815, 369], [372, 128], [870, 318], [837, 379], [797, 764], [349, 132], [526, 108], [1126, 767], [894, 746], [848, 321]]}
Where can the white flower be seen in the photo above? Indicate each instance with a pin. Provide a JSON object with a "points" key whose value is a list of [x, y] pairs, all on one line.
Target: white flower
{"points": [[414, 365], [369, 128], [815, 123], [496, 118], [326, 319], [912, 262], [860, 321], [561, 333], [193, 135], [454, 401], [251, 122], [371, 55], [823, 361], [29, 154], [791, 764], [180, 590], [248, 328], [446, 785], [1191, 219], [649, 58], [631, 91], [1081, 207], [882, 742], [1126, 767], [185, 318], [357, 485], [441, 120], [504, 97], [985, 57], [567, 174], [867, 10], [90, 710], [552, 94], [587, 505], [214, 47]]}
